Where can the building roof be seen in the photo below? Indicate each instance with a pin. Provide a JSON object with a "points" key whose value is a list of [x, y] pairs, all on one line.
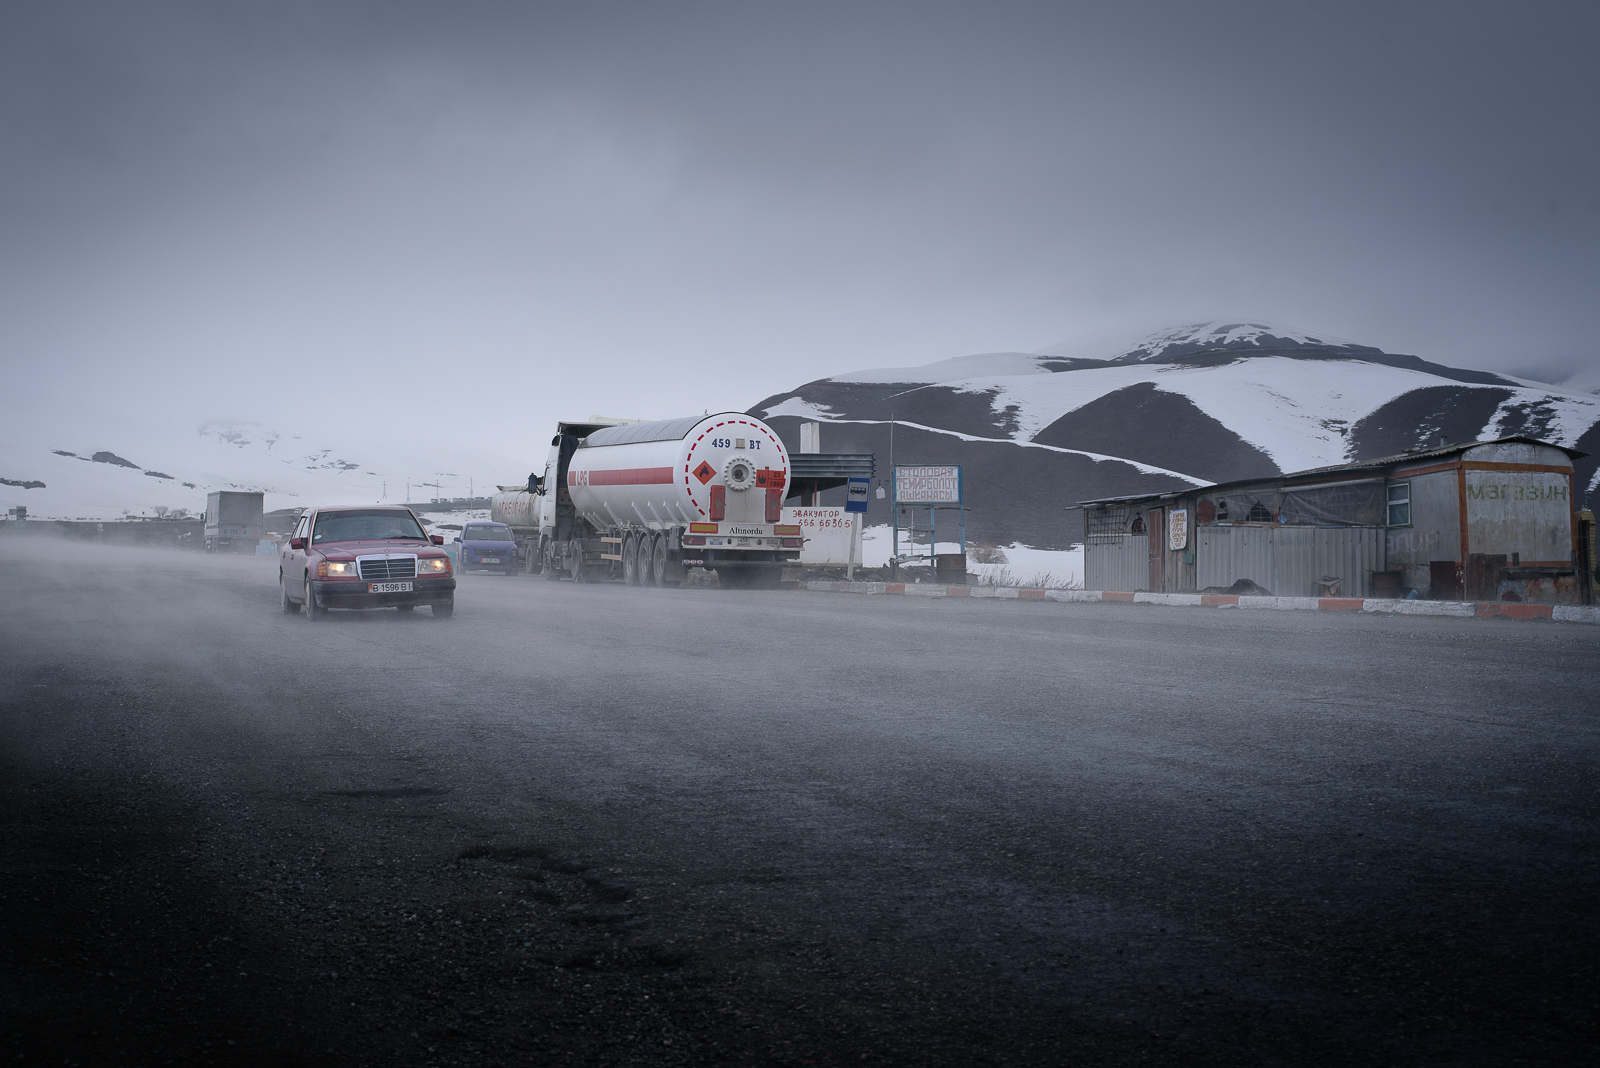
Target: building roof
{"points": [[1412, 455], [836, 465], [827, 470], [1358, 467]]}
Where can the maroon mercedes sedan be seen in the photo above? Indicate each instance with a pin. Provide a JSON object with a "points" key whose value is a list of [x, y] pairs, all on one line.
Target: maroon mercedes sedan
{"points": [[364, 558]]}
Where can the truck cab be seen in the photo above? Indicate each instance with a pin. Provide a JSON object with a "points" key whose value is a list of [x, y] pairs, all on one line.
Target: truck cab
{"points": [[556, 513]]}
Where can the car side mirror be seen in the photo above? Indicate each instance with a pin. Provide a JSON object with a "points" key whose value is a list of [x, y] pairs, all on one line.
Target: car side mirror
{"points": [[297, 543], [455, 539], [438, 539]]}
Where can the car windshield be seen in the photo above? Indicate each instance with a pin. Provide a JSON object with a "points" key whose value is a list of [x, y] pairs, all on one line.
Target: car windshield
{"points": [[486, 534], [367, 524]]}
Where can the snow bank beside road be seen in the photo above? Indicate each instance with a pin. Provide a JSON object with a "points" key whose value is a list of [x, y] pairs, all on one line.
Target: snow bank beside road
{"points": [[1023, 565]]}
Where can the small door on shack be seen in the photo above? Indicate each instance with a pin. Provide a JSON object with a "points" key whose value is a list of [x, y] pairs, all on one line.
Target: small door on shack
{"points": [[1156, 531]]}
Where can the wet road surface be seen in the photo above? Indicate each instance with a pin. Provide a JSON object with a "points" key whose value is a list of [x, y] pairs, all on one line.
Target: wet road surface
{"points": [[598, 825]]}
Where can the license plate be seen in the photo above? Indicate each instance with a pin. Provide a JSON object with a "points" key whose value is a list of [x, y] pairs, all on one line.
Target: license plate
{"points": [[389, 587], [488, 559]]}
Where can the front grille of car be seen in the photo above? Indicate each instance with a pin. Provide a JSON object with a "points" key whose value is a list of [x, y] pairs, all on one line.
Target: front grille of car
{"points": [[383, 568]]}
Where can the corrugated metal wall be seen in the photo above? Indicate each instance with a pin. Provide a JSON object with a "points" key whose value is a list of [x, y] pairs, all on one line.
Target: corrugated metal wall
{"points": [[1224, 555], [1116, 562], [1286, 559]]}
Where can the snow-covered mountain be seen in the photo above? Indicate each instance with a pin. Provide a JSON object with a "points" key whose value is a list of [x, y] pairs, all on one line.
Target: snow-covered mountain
{"points": [[107, 465], [1203, 402]]}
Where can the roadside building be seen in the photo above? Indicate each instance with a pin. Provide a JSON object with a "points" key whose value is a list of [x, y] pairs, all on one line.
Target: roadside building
{"points": [[1483, 520]]}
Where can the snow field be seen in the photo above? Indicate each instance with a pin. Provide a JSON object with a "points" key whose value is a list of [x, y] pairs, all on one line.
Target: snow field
{"points": [[1023, 566], [294, 467]]}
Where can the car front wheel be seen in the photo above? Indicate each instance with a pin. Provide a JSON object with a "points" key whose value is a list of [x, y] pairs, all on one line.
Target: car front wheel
{"points": [[284, 601], [313, 612], [445, 610]]}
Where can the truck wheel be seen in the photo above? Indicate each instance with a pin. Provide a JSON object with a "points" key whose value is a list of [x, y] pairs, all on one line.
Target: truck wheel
{"points": [[313, 613], [445, 610], [658, 562], [641, 560], [551, 572], [579, 572], [630, 560], [284, 602], [731, 578], [765, 578]]}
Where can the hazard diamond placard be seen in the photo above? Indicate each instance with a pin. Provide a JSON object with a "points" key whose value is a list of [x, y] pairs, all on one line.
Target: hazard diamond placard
{"points": [[705, 472]]}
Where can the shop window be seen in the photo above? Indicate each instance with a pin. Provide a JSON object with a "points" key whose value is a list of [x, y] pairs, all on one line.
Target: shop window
{"points": [[1138, 525], [1399, 504]]}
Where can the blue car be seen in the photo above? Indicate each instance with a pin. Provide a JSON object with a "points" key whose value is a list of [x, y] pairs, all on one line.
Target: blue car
{"points": [[488, 547]]}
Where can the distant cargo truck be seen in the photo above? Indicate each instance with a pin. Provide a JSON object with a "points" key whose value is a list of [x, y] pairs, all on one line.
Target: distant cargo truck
{"points": [[235, 522]]}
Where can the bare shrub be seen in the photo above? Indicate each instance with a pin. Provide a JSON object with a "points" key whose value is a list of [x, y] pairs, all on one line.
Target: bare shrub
{"points": [[1046, 581], [986, 553], [1043, 580], [995, 576]]}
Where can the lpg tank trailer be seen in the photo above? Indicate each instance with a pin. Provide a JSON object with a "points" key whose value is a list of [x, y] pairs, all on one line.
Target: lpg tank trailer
{"points": [[518, 508], [647, 501]]}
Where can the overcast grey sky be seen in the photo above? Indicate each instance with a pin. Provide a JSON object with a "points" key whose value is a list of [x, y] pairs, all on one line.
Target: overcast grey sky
{"points": [[247, 210]]}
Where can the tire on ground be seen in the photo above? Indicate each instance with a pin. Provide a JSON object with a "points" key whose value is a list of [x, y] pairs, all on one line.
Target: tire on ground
{"points": [[658, 561], [630, 560]]}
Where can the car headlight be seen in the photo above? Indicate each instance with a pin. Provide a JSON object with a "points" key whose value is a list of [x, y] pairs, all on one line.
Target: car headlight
{"points": [[336, 569], [433, 566]]}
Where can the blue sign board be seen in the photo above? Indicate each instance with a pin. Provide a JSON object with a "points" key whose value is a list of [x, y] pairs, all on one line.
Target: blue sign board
{"points": [[856, 496]]}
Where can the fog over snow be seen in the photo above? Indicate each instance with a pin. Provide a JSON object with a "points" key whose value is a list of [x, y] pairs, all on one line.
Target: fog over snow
{"points": [[147, 465]]}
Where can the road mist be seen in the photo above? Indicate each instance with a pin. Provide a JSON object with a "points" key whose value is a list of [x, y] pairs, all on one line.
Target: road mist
{"points": [[696, 826]]}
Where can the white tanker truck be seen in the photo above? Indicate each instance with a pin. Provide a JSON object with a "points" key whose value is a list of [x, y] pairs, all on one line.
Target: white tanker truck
{"points": [[647, 501], [518, 508]]}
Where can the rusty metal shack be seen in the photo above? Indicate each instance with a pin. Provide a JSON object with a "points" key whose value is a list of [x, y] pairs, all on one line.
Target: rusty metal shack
{"points": [[1482, 520]]}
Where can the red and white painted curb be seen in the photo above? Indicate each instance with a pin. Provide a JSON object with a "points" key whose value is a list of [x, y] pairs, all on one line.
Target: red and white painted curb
{"points": [[1560, 613]]}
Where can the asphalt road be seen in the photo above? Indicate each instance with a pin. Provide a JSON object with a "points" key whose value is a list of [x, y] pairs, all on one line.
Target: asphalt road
{"points": [[597, 825]]}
